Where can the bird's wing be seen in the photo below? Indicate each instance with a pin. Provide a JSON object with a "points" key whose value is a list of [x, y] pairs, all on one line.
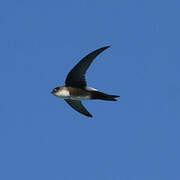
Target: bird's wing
{"points": [[76, 77], [77, 105]]}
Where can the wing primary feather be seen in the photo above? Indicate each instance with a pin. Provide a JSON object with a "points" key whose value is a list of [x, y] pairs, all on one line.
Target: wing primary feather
{"points": [[76, 77], [78, 106]]}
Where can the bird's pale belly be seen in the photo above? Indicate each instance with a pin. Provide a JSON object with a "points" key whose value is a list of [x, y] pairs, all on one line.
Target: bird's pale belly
{"points": [[75, 98], [80, 98]]}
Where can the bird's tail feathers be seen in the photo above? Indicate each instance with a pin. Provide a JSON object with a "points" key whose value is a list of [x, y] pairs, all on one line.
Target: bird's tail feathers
{"points": [[103, 96]]}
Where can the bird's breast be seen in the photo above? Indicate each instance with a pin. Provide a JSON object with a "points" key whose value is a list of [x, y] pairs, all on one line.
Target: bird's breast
{"points": [[74, 95], [64, 93]]}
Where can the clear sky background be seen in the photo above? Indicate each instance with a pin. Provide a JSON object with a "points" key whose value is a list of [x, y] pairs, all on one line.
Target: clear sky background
{"points": [[135, 138]]}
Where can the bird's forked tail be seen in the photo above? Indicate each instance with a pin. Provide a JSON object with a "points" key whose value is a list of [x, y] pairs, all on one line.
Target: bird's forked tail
{"points": [[103, 96]]}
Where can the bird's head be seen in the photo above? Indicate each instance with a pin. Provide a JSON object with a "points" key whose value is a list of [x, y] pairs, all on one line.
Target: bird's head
{"points": [[61, 91], [55, 90]]}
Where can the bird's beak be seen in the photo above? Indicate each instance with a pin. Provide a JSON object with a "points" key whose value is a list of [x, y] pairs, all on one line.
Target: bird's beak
{"points": [[52, 92]]}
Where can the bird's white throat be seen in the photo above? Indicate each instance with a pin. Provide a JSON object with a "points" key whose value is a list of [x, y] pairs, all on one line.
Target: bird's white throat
{"points": [[64, 93]]}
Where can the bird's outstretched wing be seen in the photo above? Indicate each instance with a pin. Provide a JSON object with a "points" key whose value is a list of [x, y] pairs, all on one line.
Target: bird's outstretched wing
{"points": [[76, 77], [77, 105]]}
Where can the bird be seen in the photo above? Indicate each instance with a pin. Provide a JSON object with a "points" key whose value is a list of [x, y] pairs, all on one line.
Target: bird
{"points": [[76, 89]]}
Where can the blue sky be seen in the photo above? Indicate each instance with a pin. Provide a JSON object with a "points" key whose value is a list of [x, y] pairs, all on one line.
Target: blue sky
{"points": [[135, 138]]}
